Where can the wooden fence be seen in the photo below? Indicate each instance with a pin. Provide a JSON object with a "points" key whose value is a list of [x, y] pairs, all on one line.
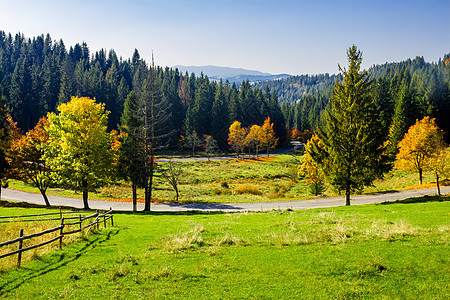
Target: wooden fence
{"points": [[67, 222]]}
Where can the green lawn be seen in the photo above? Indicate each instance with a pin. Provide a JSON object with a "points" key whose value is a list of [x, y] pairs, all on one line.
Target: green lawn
{"points": [[391, 251], [220, 182]]}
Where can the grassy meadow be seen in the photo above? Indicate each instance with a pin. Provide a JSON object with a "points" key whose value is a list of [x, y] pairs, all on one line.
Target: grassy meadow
{"points": [[389, 251], [227, 181]]}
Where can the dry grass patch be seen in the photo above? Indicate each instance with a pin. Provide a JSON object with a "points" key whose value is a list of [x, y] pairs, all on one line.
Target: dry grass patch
{"points": [[10, 231]]}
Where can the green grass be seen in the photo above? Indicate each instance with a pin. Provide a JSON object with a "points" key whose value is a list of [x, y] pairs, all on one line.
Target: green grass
{"points": [[391, 251], [274, 178]]}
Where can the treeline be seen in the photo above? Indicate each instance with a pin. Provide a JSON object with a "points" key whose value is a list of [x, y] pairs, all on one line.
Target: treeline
{"points": [[38, 74], [297, 87], [404, 92]]}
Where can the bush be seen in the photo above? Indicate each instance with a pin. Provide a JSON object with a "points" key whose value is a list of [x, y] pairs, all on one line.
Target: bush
{"points": [[225, 185], [247, 189]]}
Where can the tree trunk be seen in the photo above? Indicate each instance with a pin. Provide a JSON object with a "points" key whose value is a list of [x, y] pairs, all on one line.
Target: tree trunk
{"points": [[420, 175], [146, 195], [437, 184], [176, 191], [148, 198], [133, 188], [347, 194], [84, 185], [0, 190], [47, 203]]}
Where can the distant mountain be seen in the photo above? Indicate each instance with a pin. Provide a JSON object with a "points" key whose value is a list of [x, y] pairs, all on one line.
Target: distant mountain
{"points": [[236, 75]]}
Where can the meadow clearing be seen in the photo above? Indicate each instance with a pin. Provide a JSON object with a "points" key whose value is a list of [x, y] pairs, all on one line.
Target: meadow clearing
{"points": [[229, 181]]}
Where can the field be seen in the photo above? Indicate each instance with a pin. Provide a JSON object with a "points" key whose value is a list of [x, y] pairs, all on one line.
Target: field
{"points": [[389, 251], [227, 181]]}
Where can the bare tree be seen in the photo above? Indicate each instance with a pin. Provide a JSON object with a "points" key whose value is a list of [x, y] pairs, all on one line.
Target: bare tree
{"points": [[172, 172]]}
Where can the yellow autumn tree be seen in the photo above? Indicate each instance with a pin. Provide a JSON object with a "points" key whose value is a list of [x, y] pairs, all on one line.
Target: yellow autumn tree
{"points": [[267, 137], [419, 146], [236, 137], [439, 163], [79, 150], [253, 139], [310, 170]]}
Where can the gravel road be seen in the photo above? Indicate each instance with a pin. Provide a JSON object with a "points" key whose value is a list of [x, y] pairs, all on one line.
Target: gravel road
{"points": [[19, 196]]}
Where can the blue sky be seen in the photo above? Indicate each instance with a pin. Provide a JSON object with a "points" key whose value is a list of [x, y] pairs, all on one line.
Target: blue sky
{"points": [[295, 37]]}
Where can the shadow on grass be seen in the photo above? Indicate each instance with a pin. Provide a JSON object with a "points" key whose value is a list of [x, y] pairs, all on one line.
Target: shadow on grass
{"points": [[4, 203], [169, 213], [420, 200], [52, 262]]}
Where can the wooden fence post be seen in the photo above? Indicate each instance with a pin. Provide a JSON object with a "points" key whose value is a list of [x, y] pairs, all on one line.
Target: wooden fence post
{"points": [[97, 225], [61, 233], [112, 222], [104, 220], [81, 221], [19, 255], [60, 213]]}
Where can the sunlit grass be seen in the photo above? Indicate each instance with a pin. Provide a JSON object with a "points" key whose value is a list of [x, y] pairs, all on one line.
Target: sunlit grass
{"points": [[366, 252], [220, 181]]}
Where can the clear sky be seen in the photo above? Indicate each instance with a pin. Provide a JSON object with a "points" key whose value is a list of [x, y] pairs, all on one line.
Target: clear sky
{"points": [[295, 37]]}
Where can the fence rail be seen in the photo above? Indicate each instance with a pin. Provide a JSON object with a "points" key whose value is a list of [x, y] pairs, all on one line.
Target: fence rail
{"points": [[98, 219]]}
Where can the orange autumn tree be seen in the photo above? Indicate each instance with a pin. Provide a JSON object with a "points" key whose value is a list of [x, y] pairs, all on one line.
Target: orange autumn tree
{"points": [[26, 158], [310, 170], [268, 139], [236, 137], [295, 134], [418, 146]]}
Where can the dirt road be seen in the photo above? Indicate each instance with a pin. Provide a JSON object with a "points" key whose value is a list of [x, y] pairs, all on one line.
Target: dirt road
{"points": [[18, 196]]}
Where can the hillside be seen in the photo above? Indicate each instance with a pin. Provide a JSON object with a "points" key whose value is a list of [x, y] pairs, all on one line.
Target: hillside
{"points": [[233, 75], [294, 88]]}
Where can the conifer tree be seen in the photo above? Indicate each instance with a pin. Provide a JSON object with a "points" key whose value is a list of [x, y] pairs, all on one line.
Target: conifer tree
{"points": [[352, 137], [131, 161], [157, 131], [219, 119], [401, 118], [5, 133]]}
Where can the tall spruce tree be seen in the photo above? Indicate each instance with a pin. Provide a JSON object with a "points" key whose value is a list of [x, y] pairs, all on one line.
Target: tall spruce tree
{"points": [[352, 156], [5, 133], [157, 130], [132, 158], [219, 120]]}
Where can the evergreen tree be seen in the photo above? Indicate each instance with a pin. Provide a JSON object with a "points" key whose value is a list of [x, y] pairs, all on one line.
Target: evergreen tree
{"points": [[5, 133], [132, 153], [352, 154], [22, 106], [234, 105], [219, 119], [157, 131], [202, 106], [401, 119]]}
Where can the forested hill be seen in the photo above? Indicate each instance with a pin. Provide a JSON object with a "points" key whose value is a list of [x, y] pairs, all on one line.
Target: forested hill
{"points": [[37, 74], [404, 91], [294, 88]]}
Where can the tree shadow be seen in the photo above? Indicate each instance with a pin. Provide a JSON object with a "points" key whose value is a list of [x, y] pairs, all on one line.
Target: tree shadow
{"points": [[4, 203], [53, 262], [423, 199]]}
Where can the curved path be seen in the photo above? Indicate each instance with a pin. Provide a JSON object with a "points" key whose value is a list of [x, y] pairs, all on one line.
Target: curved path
{"points": [[19, 196]]}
